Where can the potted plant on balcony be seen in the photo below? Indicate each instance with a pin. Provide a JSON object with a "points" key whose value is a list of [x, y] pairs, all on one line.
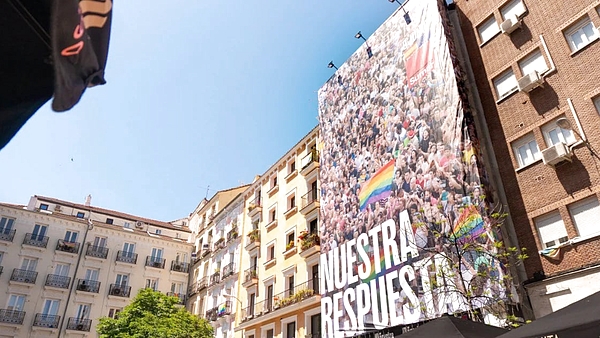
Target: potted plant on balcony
{"points": [[289, 246], [254, 235]]}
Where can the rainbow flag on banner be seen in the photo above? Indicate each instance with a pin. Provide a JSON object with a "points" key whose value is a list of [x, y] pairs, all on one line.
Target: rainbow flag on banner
{"points": [[469, 225], [378, 187], [222, 309], [381, 263]]}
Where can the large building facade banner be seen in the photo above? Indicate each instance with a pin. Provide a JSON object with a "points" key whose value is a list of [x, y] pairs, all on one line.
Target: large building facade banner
{"points": [[401, 184]]}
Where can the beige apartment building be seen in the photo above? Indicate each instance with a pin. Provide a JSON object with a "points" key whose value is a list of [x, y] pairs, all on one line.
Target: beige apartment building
{"points": [[279, 275], [65, 265], [216, 225]]}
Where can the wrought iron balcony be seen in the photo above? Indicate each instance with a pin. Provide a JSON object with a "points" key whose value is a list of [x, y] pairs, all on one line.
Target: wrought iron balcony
{"points": [[44, 320], [309, 198], [24, 276], [180, 266], [211, 315], [219, 244], [205, 251], [224, 309], [215, 278], [228, 270], [79, 324], [87, 285], [309, 159], [126, 257], [203, 283], [250, 276], [57, 281], [97, 251], [7, 234], [181, 297], [155, 262], [233, 234], [192, 289], [36, 240], [70, 247], [119, 290], [255, 206], [12, 316]]}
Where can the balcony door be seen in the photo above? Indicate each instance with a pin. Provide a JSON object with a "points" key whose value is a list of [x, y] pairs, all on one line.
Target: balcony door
{"points": [[6, 225], [128, 250], [122, 280], [39, 232], [270, 297], [71, 237], [62, 270], [16, 303], [157, 255], [315, 326], [83, 311], [51, 307], [29, 264], [100, 242], [92, 274]]}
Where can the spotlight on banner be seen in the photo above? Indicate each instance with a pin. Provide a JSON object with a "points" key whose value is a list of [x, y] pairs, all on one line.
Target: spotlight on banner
{"points": [[369, 50], [406, 15], [331, 65]]}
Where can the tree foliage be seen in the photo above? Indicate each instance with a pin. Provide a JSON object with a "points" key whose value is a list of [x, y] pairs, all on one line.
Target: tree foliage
{"points": [[154, 315]]}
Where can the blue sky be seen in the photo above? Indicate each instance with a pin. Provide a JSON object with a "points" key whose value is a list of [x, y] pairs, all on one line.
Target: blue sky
{"points": [[199, 94]]}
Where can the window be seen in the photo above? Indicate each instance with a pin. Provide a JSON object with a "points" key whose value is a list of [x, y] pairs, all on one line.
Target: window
{"points": [[251, 301], [113, 312], [291, 201], [92, 274], [269, 300], [315, 278], [313, 227], [128, 250], [272, 214], [292, 167], [127, 225], [177, 288], [152, 283], [581, 34], [109, 221], [62, 269], [39, 232], [83, 311], [158, 231], [271, 252], [80, 214], [533, 63], [290, 285], [100, 242], [488, 29], [526, 150], [29, 264], [315, 325], [505, 84], [551, 229], [290, 240], [51, 307], [554, 134], [270, 333], [274, 182], [43, 206], [585, 215], [16, 302], [290, 330], [6, 224], [596, 104], [122, 280], [71, 236], [157, 255], [513, 9]]}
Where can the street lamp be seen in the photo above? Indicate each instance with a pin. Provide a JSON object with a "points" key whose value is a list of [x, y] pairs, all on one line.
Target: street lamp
{"points": [[369, 51], [565, 124], [331, 65]]}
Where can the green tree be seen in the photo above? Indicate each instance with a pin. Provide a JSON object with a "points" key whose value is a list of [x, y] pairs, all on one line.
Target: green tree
{"points": [[154, 315]]}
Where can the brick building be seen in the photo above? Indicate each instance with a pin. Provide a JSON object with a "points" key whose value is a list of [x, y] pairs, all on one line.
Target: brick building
{"points": [[533, 63]]}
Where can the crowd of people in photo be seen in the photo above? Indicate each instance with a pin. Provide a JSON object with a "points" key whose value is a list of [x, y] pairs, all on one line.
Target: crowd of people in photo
{"points": [[372, 113]]}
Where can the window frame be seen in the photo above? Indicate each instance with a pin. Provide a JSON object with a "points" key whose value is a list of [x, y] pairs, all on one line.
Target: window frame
{"points": [[488, 21], [522, 141], [80, 214], [550, 126], [578, 25], [577, 227], [534, 54], [504, 76], [504, 13], [544, 217], [596, 103], [44, 206]]}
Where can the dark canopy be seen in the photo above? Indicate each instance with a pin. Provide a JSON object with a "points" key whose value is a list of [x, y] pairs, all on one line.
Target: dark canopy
{"points": [[49, 48], [580, 319], [453, 327]]}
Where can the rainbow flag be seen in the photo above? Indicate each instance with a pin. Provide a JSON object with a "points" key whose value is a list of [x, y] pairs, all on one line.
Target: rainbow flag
{"points": [[378, 187], [373, 274], [468, 226], [222, 309]]}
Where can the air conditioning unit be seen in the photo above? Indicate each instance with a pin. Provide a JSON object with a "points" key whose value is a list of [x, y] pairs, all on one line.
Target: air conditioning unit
{"points": [[510, 24], [139, 224], [80, 327], [116, 292], [530, 81], [556, 154]]}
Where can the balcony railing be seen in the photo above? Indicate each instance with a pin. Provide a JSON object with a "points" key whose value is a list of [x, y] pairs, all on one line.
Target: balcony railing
{"points": [[233, 234], [211, 315], [119, 290], [12, 316], [220, 243], [228, 270], [7, 234], [24, 276], [289, 297], [308, 240], [155, 262], [44, 320], [205, 251], [254, 204], [70, 247], [254, 235], [180, 266], [316, 334], [126, 257], [97, 251], [192, 289], [309, 198], [203, 283], [215, 278], [224, 309], [311, 157], [87, 285], [79, 324], [250, 274], [57, 281], [181, 296], [35, 240]]}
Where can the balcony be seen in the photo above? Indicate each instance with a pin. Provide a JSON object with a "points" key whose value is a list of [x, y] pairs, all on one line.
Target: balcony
{"points": [[250, 277], [180, 296], [97, 251], [35, 240], [228, 270], [119, 290], [254, 207], [224, 309], [192, 289], [155, 262], [23, 276], [12, 316], [87, 285], [232, 235], [219, 244], [309, 202], [203, 283], [126, 257], [290, 250], [47, 321], [254, 239], [69, 247], [290, 212], [278, 302], [79, 324], [211, 315], [309, 244], [205, 251], [215, 278], [309, 162], [180, 267], [7, 235], [56, 281]]}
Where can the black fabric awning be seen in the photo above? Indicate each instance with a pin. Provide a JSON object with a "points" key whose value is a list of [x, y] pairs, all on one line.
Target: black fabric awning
{"points": [[49, 48], [578, 320], [453, 327]]}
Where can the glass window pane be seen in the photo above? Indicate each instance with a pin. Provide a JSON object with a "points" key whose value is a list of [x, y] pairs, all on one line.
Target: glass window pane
{"points": [[514, 8], [488, 29]]}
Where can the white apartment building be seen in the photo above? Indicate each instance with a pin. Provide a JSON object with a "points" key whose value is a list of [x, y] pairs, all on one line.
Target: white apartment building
{"points": [[65, 265]]}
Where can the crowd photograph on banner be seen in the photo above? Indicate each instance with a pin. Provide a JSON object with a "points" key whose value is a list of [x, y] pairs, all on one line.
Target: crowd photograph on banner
{"points": [[394, 141]]}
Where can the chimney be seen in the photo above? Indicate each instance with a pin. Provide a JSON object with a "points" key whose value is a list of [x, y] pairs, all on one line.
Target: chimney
{"points": [[88, 200]]}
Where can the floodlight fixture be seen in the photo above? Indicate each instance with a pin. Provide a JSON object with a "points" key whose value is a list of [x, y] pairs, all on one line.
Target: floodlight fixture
{"points": [[331, 65]]}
